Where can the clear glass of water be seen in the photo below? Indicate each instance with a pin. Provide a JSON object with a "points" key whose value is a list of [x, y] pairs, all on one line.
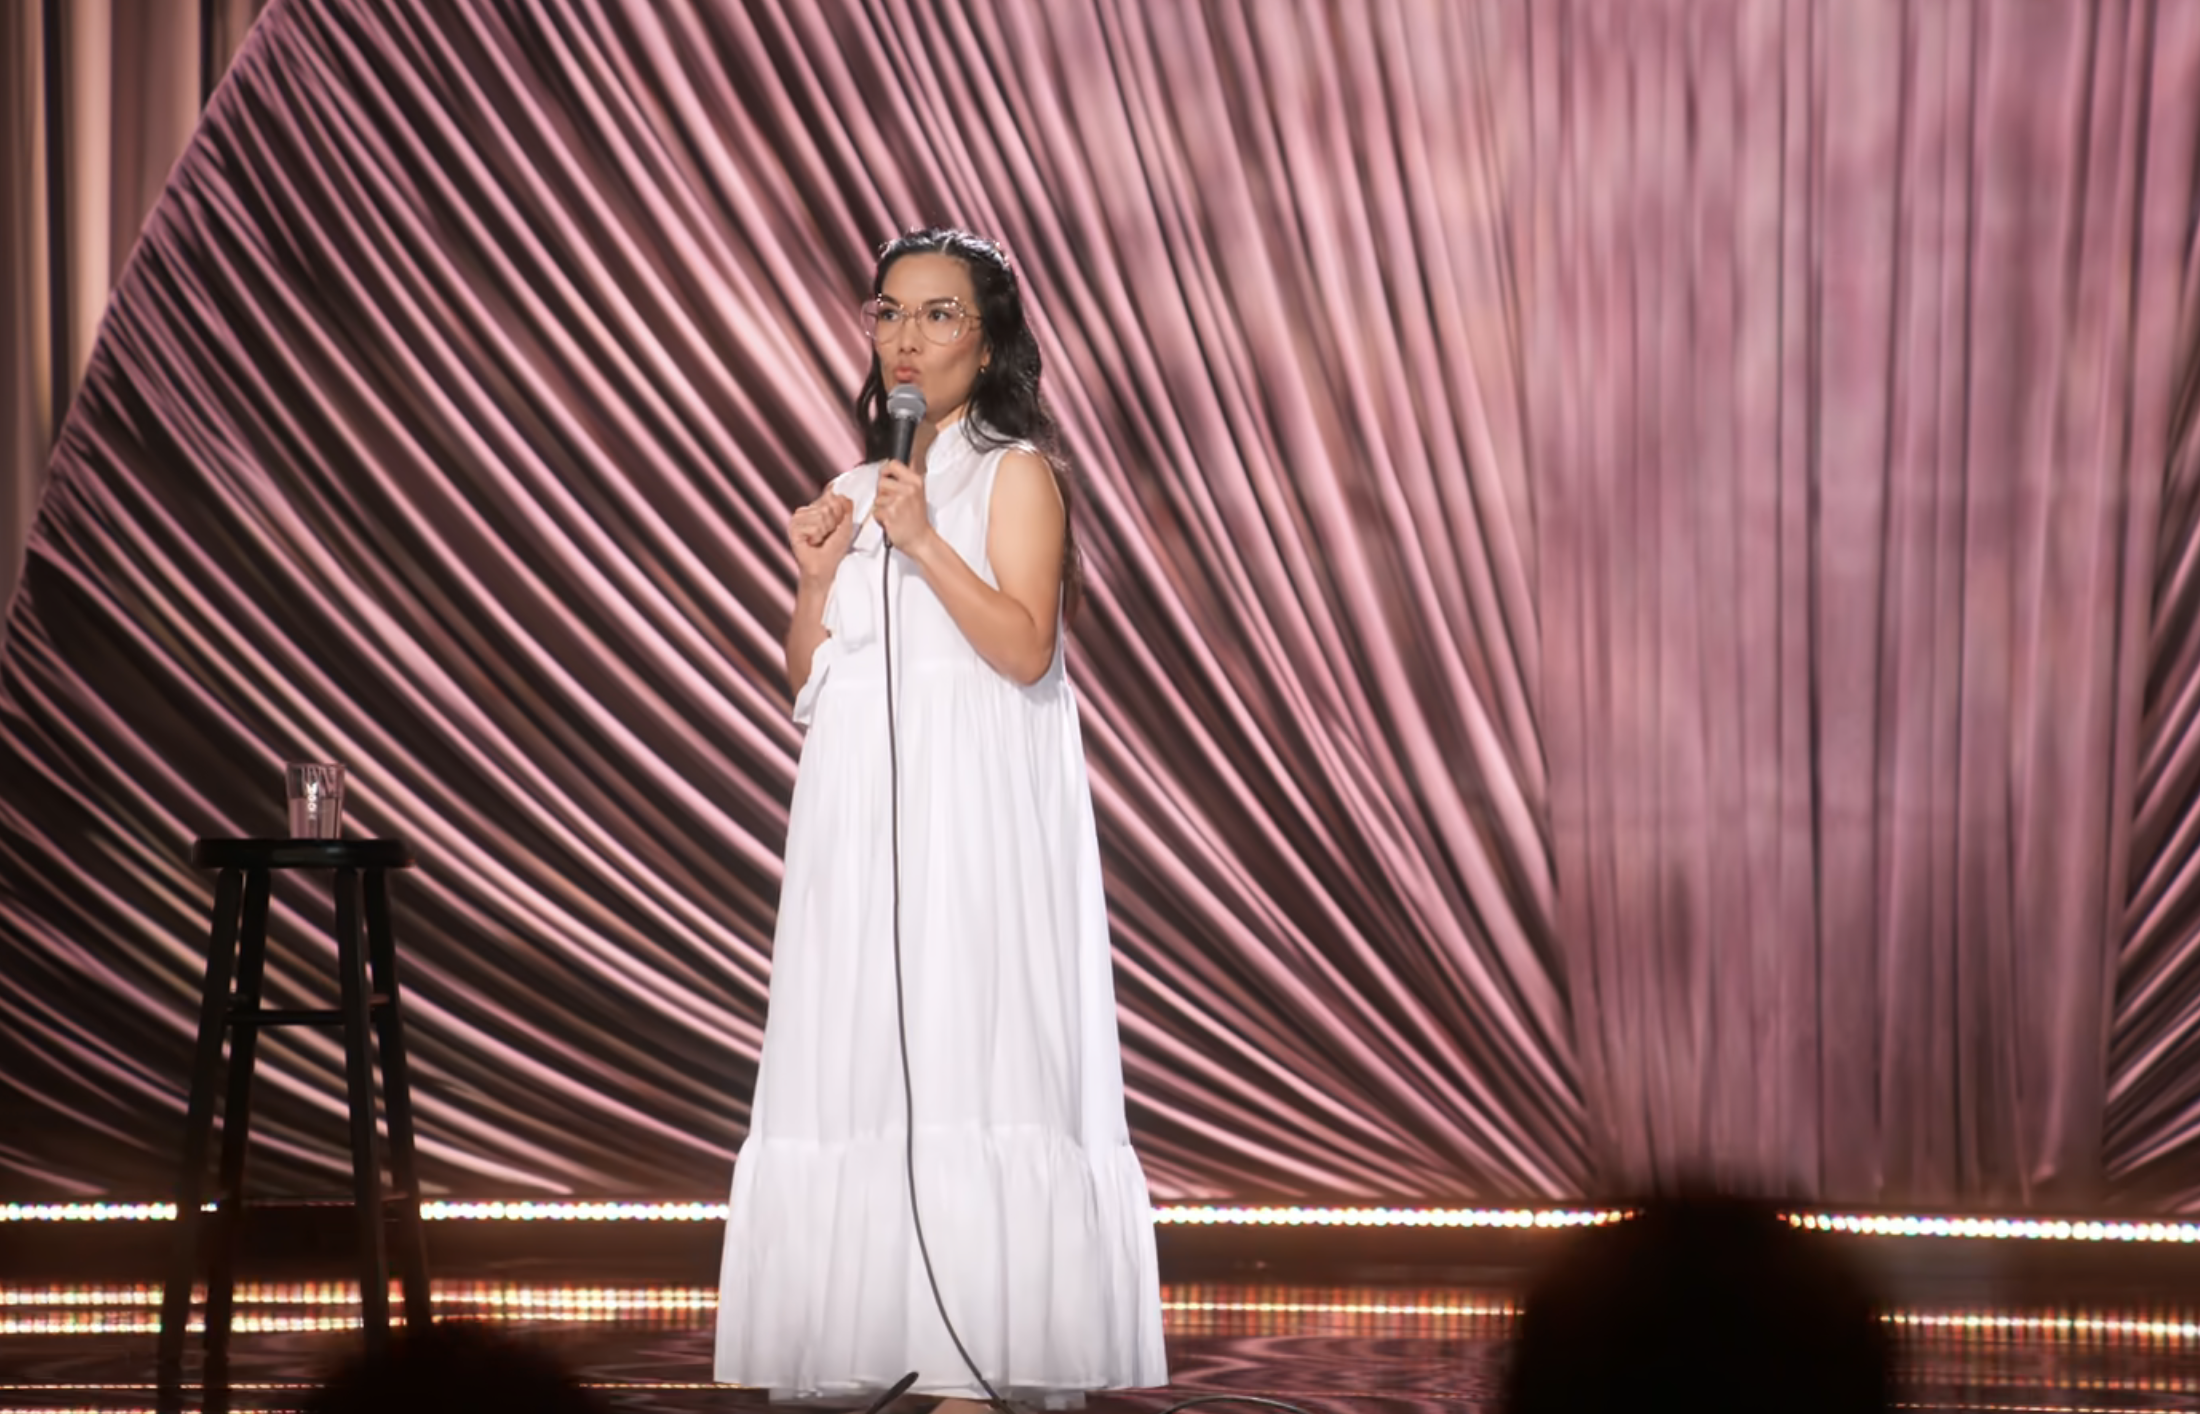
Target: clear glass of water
{"points": [[316, 793]]}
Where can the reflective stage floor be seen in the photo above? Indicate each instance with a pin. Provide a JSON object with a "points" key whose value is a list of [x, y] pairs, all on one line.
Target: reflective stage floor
{"points": [[1337, 1322]]}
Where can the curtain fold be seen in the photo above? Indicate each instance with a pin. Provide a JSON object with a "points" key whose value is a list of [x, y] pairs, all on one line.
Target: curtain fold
{"points": [[1639, 621], [1855, 391], [100, 98], [2154, 1084]]}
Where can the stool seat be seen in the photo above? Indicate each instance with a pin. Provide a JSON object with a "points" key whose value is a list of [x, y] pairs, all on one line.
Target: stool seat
{"points": [[231, 1014], [300, 854]]}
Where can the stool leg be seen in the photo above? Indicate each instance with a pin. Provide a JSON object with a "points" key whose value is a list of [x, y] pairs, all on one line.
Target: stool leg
{"points": [[366, 1170], [198, 1126], [244, 1047], [412, 1245]]}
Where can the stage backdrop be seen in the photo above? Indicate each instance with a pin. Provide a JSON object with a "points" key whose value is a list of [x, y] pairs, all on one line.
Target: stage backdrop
{"points": [[1642, 576]]}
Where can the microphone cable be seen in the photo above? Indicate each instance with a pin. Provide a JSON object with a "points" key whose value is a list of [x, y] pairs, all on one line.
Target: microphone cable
{"points": [[901, 999]]}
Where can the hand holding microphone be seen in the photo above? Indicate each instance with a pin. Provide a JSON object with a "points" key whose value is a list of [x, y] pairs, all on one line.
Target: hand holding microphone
{"points": [[899, 506]]}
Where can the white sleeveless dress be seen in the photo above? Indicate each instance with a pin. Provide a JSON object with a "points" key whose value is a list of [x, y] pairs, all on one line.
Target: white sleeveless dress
{"points": [[1033, 1204]]}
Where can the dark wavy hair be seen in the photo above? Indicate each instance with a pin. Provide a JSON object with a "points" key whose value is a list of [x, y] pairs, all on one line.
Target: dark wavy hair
{"points": [[1005, 404]]}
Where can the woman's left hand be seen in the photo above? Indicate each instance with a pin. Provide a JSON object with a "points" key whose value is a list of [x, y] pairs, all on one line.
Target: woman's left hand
{"points": [[900, 509]]}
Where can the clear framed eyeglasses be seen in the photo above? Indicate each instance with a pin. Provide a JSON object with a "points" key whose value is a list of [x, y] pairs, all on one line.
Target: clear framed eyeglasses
{"points": [[942, 321]]}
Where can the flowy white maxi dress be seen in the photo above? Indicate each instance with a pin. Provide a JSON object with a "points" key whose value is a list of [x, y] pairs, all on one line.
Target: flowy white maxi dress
{"points": [[1033, 1204]]}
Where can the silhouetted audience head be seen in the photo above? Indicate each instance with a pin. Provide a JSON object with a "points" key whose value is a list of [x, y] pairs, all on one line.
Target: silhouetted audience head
{"points": [[1704, 1304], [452, 1367]]}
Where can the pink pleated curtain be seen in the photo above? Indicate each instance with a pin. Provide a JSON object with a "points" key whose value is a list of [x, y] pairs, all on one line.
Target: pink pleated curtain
{"points": [[1641, 622]]}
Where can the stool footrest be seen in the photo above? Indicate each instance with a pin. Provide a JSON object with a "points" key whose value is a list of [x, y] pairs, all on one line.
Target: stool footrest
{"points": [[274, 1016]]}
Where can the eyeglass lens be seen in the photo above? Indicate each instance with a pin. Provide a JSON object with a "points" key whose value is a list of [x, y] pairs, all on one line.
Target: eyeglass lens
{"points": [[941, 321]]}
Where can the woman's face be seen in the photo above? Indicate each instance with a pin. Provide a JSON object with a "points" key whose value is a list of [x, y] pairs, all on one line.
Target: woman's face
{"points": [[935, 297]]}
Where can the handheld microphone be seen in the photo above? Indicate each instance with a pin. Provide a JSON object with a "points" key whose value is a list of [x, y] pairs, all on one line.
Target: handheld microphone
{"points": [[905, 406]]}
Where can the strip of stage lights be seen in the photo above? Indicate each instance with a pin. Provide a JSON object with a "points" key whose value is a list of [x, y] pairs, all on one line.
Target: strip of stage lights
{"points": [[529, 1210], [333, 1306], [1205, 1215]]}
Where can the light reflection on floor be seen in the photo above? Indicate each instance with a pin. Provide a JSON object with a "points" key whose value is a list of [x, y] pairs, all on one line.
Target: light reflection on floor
{"points": [[1326, 1348]]}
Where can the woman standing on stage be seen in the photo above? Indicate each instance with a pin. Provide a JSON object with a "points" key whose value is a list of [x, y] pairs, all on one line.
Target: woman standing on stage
{"points": [[937, 589]]}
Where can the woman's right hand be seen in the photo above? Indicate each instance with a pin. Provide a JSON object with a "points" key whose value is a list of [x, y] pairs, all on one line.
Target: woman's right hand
{"points": [[820, 533]]}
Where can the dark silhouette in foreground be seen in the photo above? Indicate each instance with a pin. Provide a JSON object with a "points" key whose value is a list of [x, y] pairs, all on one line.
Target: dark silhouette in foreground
{"points": [[1705, 1304], [454, 1368]]}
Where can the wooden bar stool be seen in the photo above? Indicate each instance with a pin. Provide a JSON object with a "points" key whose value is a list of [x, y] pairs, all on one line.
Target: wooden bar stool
{"points": [[368, 1014]]}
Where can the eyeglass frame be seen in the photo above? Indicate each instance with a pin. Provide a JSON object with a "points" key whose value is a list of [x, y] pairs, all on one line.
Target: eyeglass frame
{"points": [[881, 331]]}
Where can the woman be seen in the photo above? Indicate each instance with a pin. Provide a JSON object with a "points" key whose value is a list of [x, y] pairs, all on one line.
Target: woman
{"points": [[956, 567]]}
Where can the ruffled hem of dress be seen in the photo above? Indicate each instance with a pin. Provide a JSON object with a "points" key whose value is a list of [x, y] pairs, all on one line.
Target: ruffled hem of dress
{"points": [[829, 1325], [863, 1396]]}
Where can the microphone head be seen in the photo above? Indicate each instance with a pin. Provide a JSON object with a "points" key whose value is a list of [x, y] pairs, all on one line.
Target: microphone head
{"points": [[905, 403]]}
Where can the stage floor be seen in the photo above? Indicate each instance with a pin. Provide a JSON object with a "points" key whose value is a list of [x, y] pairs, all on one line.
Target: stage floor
{"points": [[1329, 1323], [1322, 1348]]}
